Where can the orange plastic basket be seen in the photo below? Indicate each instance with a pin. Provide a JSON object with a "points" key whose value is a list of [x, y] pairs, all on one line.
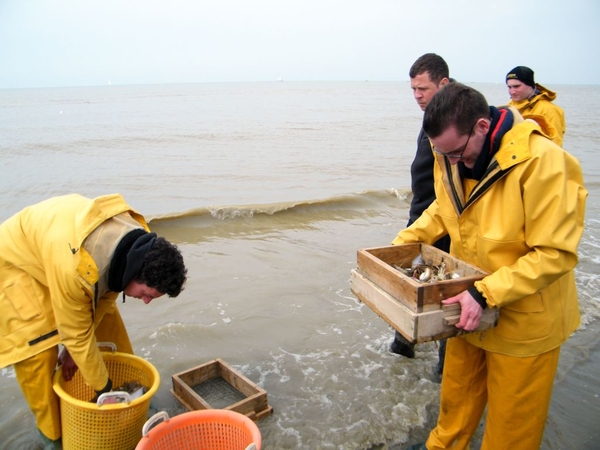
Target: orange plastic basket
{"points": [[207, 429], [87, 426]]}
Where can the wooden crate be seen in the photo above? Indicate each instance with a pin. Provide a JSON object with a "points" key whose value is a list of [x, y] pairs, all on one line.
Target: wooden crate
{"points": [[221, 380], [413, 308]]}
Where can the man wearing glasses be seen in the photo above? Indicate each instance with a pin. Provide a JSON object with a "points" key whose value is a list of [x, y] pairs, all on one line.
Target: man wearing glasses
{"points": [[513, 204], [428, 74]]}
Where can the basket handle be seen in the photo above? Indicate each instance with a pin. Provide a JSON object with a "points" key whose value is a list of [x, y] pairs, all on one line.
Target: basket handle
{"points": [[114, 397], [153, 421], [111, 345]]}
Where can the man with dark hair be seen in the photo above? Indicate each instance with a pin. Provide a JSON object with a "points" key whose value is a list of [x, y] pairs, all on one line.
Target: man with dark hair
{"points": [[533, 99], [63, 263], [428, 74], [513, 203]]}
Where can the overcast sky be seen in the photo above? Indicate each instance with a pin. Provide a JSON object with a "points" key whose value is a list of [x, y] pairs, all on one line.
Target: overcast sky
{"points": [[88, 42]]}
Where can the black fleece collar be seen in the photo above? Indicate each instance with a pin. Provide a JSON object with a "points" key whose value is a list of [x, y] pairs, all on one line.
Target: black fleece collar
{"points": [[128, 258], [502, 121]]}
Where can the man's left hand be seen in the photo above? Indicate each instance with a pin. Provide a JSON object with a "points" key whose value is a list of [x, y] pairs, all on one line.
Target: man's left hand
{"points": [[470, 310]]}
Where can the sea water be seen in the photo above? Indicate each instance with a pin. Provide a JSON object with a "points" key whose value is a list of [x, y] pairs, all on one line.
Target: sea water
{"points": [[269, 189]]}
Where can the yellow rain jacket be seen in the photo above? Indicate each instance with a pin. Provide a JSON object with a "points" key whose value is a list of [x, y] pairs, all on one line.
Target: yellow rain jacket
{"points": [[541, 105], [49, 290], [522, 224]]}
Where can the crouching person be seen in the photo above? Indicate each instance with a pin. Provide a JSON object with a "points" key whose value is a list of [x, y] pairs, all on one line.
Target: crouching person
{"points": [[63, 263]]}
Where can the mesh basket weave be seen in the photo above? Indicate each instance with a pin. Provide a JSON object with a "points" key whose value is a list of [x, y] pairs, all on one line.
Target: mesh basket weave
{"points": [[208, 429], [87, 426]]}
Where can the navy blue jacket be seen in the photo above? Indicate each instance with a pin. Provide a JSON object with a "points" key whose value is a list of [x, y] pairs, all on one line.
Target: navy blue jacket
{"points": [[421, 174]]}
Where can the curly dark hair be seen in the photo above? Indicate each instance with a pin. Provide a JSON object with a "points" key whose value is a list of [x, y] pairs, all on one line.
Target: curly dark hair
{"points": [[163, 269]]}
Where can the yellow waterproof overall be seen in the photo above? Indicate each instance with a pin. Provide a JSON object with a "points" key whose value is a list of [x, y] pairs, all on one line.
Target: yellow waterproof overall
{"points": [[35, 375], [517, 391]]}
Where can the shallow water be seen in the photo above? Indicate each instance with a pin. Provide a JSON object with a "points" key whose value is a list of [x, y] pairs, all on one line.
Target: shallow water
{"points": [[269, 190]]}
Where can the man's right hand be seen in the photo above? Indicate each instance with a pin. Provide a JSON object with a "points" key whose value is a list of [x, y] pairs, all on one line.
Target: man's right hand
{"points": [[470, 310], [69, 368]]}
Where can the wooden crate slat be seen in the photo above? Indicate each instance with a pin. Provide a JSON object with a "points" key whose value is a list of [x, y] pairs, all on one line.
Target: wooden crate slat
{"points": [[384, 305], [388, 279], [412, 308], [254, 405], [376, 265]]}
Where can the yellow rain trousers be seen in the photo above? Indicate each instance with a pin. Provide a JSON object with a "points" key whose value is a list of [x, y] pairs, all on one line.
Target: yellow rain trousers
{"points": [[32, 375], [520, 388]]}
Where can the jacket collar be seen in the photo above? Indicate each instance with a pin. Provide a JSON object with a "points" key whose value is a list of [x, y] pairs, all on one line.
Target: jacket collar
{"points": [[544, 94], [514, 149], [101, 244]]}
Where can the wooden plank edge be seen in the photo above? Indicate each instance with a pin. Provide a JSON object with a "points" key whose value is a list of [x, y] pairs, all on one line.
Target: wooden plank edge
{"points": [[388, 308], [184, 403]]}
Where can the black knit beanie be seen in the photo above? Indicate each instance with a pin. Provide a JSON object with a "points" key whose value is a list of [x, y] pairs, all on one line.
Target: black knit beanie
{"points": [[128, 258], [521, 73]]}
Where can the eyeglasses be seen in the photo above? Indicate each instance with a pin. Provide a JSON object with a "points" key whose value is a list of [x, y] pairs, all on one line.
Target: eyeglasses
{"points": [[458, 154]]}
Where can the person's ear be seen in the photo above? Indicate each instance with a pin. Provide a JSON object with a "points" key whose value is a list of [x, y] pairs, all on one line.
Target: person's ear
{"points": [[483, 126]]}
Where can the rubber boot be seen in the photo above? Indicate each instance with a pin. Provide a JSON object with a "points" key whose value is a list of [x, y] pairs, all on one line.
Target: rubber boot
{"points": [[402, 347], [420, 446], [49, 444], [439, 368]]}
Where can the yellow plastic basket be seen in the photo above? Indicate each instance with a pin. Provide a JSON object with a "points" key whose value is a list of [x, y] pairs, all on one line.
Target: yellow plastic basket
{"points": [[87, 426], [207, 429]]}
